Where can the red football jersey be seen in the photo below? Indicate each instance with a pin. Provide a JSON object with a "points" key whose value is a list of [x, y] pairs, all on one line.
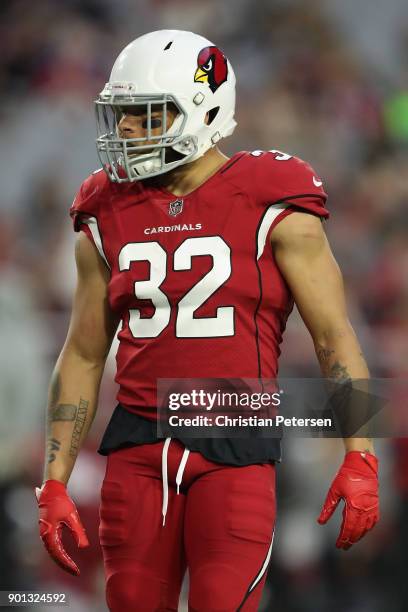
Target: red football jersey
{"points": [[194, 278]]}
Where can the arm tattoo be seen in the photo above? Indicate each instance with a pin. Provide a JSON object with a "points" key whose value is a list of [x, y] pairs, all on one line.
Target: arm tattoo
{"points": [[78, 427], [54, 446], [339, 372], [55, 388], [59, 412], [348, 401], [323, 354], [334, 371], [63, 412]]}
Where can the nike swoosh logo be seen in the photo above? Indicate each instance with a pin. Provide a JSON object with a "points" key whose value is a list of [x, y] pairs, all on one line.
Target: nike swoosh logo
{"points": [[316, 182]]}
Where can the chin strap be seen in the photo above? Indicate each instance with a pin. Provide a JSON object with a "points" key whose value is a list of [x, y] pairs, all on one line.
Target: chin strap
{"points": [[146, 167]]}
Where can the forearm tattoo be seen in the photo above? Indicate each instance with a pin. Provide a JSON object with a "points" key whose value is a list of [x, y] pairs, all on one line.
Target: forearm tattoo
{"points": [[54, 446], [323, 354], [343, 395], [339, 372], [63, 412], [333, 370], [55, 389], [78, 427]]}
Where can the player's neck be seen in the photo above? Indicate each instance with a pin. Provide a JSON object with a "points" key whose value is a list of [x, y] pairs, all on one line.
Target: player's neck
{"points": [[184, 179]]}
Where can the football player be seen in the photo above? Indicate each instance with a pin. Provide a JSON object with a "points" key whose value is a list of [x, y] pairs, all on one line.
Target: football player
{"points": [[201, 258]]}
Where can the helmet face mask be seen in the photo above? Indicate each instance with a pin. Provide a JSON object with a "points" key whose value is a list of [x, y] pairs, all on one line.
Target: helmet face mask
{"points": [[150, 77], [131, 159]]}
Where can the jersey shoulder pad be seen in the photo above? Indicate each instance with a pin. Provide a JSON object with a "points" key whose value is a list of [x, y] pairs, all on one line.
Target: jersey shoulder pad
{"points": [[280, 177], [86, 202]]}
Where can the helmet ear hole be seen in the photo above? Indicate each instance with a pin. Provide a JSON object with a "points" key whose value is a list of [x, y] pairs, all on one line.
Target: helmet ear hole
{"points": [[211, 115]]}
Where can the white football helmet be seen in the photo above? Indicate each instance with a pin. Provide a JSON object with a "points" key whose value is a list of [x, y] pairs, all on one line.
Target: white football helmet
{"points": [[168, 66]]}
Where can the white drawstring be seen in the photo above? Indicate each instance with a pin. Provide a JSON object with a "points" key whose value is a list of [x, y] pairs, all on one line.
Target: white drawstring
{"points": [[165, 479], [181, 467]]}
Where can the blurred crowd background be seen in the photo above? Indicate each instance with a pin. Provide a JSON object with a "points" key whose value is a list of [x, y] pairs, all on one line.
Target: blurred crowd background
{"points": [[325, 80]]}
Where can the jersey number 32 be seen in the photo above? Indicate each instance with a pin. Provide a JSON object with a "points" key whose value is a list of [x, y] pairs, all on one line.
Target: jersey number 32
{"points": [[187, 326]]}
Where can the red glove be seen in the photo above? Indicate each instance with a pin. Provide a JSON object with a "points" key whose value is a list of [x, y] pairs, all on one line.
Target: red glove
{"points": [[57, 509], [357, 483]]}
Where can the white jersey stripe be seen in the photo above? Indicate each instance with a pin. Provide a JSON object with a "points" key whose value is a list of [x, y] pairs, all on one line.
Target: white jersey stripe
{"points": [[269, 217], [92, 223]]}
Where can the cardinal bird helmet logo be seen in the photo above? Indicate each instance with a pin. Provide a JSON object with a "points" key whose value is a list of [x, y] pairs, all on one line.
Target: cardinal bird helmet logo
{"points": [[212, 68]]}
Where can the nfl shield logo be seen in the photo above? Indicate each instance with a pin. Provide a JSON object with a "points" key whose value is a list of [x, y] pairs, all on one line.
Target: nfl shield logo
{"points": [[175, 207]]}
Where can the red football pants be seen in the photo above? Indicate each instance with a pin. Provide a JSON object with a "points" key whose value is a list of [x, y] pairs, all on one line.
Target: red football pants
{"points": [[220, 526]]}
